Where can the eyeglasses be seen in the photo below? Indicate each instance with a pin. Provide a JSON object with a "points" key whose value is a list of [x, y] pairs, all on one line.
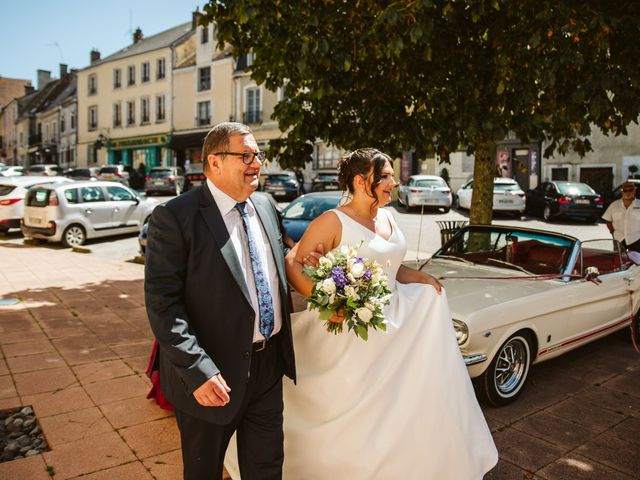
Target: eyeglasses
{"points": [[247, 157]]}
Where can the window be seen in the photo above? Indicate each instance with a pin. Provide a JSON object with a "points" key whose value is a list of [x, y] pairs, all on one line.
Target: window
{"points": [[131, 113], [73, 120], [117, 78], [131, 75], [160, 68], [93, 118], [21, 141], [160, 114], [119, 194], [92, 194], [46, 133], [204, 35], [204, 78], [146, 72], [204, 113], [71, 194], [62, 122], [144, 108], [93, 84], [54, 131], [92, 155], [250, 58], [117, 115], [253, 113]]}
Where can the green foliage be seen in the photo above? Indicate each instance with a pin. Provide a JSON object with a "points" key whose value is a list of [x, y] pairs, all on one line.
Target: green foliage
{"points": [[435, 75]]}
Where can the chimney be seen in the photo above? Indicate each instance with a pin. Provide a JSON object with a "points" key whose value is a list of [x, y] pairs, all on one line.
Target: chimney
{"points": [[195, 19], [94, 55], [137, 35], [44, 77], [63, 69]]}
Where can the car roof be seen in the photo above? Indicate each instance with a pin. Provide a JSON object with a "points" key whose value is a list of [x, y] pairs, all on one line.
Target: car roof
{"points": [[31, 180], [83, 183], [426, 177]]}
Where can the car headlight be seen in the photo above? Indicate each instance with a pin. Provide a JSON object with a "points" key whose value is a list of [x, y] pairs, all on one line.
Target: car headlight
{"points": [[462, 331]]}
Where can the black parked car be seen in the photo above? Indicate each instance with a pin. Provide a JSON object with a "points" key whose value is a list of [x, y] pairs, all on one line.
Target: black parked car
{"points": [[194, 176], [570, 199], [325, 181], [282, 185]]}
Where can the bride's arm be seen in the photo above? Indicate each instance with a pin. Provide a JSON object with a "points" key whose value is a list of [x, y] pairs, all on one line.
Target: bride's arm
{"points": [[409, 275], [321, 234]]}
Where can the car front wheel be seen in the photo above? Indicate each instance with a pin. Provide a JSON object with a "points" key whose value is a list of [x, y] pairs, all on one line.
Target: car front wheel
{"points": [[73, 236], [502, 382]]}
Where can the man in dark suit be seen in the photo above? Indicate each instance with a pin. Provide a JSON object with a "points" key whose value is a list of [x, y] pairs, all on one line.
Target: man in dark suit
{"points": [[216, 296]]}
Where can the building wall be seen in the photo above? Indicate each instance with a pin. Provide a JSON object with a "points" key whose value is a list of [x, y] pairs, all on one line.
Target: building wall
{"points": [[68, 137], [11, 88], [22, 141], [183, 115], [9, 135]]}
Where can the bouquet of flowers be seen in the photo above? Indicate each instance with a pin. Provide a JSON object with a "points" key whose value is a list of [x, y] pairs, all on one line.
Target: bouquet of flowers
{"points": [[357, 286]]}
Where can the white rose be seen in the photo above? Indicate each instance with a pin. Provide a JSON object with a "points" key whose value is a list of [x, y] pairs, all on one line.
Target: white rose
{"points": [[325, 262], [357, 269], [344, 250], [328, 286], [364, 314], [351, 292]]}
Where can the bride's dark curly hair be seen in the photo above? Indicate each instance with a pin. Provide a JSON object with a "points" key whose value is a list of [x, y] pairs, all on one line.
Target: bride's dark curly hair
{"points": [[365, 162]]}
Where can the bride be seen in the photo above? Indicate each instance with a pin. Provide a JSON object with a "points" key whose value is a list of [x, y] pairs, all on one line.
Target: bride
{"points": [[401, 404]]}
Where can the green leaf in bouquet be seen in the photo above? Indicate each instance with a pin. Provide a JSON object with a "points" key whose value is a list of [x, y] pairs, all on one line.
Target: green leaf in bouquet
{"points": [[309, 271], [326, 314], [361, 331]]}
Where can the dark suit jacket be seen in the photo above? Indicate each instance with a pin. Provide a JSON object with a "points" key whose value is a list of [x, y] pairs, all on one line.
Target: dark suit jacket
{"points": [[198, 302]]}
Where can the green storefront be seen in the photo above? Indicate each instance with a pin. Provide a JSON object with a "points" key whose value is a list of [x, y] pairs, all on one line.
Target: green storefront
{"points": [[150, 150]]}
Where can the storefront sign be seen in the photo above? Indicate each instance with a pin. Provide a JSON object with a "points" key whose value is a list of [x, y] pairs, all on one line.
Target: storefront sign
{"points": [[139, 142]]}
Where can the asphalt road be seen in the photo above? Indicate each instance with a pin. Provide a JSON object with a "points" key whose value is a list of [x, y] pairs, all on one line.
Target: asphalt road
{"points": [[420, 229]]}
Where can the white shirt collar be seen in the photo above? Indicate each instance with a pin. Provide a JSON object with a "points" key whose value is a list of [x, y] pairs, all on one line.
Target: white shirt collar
{"points": [[225, 203]]}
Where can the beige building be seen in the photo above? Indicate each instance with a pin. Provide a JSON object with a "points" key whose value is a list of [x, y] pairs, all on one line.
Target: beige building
{"points": [[125, 102], [10, 90]]}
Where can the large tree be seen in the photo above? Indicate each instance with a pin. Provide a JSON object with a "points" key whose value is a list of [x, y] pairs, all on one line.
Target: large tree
{"points": [[441, 75]]}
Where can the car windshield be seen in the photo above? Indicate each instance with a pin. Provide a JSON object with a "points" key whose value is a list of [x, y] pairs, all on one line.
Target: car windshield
{"points": [[534, 252], [36, 169], [160, 173], [279, 178], [6, 189], [505, 187], [109, 170], [84, 172], [308, 208], [430, 182], [575, 189]]}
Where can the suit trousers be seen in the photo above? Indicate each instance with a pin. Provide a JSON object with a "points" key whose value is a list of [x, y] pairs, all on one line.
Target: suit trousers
{"points": [[258, 427]]}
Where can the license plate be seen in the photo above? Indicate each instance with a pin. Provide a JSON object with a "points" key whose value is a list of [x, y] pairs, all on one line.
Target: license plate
{"points": [[582, 202], [158, 182], [196, 183], [35, 221], [108, 176], [505, 201], [332, 187]]}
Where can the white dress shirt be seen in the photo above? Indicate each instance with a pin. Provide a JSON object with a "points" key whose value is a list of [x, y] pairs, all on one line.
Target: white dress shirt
{"points": [[235, 227], [626, 221]]}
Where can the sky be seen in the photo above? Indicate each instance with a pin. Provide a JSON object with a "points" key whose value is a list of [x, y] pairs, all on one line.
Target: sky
{"points": [[42, 34]]}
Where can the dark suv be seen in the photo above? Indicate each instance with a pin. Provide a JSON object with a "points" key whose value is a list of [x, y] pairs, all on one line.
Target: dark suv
{"points": [[282, 185], [325, 181]]}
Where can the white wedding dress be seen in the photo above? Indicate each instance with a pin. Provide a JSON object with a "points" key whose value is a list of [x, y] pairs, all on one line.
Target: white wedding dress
{"points": [[398, 406]]}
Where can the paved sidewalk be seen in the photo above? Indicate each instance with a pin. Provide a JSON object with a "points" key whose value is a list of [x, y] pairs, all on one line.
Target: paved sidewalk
{"points": [[77, 345]]}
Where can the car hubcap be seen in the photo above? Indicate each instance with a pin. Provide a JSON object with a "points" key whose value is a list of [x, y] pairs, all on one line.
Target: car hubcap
{"points": [[75, 236], [511, 366]]}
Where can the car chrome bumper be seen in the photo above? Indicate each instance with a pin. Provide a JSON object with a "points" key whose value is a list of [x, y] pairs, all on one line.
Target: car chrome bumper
{"points": [[473, 359]]}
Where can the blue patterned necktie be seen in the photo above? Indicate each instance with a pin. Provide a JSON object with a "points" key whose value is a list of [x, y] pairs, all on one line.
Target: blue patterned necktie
{"points": [[265, 303]]}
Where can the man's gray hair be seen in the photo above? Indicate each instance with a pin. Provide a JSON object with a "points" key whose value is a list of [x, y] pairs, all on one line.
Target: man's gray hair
{"points": [[217, 140]]}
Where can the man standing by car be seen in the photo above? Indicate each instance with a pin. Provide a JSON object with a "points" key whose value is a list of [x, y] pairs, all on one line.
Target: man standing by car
{"points": [[216, 296], [623, 218]]}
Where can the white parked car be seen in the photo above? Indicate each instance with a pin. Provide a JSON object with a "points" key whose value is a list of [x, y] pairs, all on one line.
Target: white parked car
{"points": [[11, 171], [520, 296], [12, 193], [425, 190], [77, 211], [507, 196]]}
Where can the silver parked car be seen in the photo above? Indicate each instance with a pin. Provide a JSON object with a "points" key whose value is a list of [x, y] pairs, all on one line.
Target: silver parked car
{"points": [[165, 180], [425, 190], [74, 212], [116, 173]]}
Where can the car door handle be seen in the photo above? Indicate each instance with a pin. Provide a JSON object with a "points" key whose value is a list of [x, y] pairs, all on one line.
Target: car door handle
{"points": [[88, 211], [116, 210]]}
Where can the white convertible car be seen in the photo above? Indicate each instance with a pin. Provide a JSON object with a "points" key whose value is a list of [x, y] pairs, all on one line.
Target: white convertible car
{"points": [[520, 296]]}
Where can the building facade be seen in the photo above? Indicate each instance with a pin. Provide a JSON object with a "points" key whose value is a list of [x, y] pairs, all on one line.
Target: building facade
{"points": [[125, 102]]}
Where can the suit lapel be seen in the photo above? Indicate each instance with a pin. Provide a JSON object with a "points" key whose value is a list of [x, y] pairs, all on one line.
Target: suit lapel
{"points": [[266, 218], [215, 223]]}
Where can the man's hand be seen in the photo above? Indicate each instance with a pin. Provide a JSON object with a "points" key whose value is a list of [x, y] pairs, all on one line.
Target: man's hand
{"points": [[313, 258], [213, 393]]}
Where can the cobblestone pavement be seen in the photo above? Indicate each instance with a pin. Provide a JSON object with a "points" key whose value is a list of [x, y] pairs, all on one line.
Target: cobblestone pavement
{"points": [[75, 348]]}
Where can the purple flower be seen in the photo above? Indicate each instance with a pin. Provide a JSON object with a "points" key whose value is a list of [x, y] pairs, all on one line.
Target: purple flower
{"points": [[367, 275], [358, 260], [337, 273]]}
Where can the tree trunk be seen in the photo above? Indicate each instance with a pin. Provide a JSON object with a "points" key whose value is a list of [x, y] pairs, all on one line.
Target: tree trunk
{"points": [[483, 173]]}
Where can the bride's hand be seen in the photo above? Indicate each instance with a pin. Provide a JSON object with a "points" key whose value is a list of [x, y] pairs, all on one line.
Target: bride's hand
{"points": [[434, 282], [338, 317]]}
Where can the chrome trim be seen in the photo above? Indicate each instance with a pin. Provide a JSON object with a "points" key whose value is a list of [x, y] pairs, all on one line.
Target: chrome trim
{"points": [[473, 359]]}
